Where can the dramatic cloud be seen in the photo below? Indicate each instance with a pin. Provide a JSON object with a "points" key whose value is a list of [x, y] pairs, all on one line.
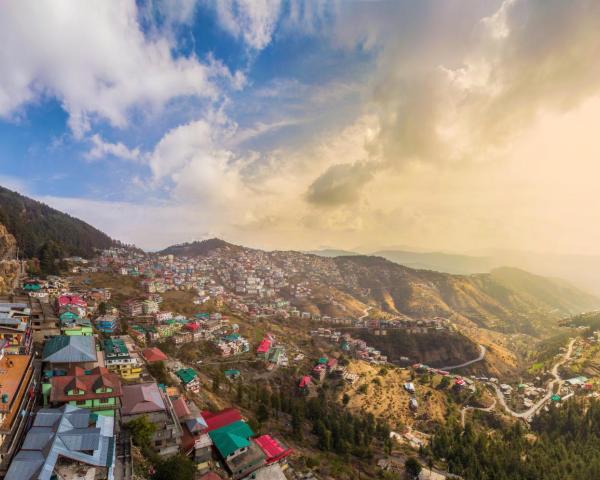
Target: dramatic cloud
{"points": [[93, 58]]}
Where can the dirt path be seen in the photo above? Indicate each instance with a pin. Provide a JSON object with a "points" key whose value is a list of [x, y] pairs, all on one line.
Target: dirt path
{"points": [[464, 410]]}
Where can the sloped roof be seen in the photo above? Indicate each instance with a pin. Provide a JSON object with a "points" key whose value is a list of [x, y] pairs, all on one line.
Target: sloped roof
{"points": [[141, 398], [69, 349], [196, 425], [154, 354], [98, 377], [231, 437], [186, 375], [219, 419], [181, 408], [273, 449], [62, 432]]}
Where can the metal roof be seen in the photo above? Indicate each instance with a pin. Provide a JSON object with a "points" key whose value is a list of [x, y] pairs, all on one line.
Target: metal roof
{"points": [[70, 349]]}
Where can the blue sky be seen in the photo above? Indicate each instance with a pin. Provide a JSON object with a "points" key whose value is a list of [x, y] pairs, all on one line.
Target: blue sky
{"points": [[301, 124]]}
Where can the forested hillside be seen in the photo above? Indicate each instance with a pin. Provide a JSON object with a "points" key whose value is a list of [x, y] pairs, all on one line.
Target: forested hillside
{"points": [[36, 226]]}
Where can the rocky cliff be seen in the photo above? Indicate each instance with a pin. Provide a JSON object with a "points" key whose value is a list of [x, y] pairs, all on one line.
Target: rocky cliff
{"points": [[9, 265]]}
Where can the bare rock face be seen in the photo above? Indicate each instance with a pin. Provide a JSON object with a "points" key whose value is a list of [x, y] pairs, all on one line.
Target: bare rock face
{"points": [[8, 244], [9, 266]]}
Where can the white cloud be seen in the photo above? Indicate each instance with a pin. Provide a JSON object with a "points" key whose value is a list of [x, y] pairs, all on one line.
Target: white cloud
{"points": [[94, 58], [253, 21], [101, 149]]}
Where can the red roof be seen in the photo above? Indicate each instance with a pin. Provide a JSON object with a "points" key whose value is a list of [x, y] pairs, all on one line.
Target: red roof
{"points": [[220, 419], [332, 362], [264, 346], [154, 354], [304, 381], [192, 326], [97, 378], [272, 448], [181, 408], [210, 476], [71, 300]]}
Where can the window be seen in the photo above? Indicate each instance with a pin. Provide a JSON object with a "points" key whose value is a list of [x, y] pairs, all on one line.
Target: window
{"points": [[81, 402]]}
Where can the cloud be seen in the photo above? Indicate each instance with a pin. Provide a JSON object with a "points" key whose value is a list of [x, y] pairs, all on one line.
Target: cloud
{"points": [[340, 184], [252, 21], [95, 59], [102, 149]]}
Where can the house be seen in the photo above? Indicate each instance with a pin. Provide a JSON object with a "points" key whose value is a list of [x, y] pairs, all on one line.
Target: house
{"points": [[20, 378], [76, 326], [15, 327], [263, 349], [118, 359], [108, 323], [189, 379], [61, 441], [233, 443], [63, 351], [304, 384], [232, 374], [154, 354], [96, 389], [275, 451], [146, 399]]}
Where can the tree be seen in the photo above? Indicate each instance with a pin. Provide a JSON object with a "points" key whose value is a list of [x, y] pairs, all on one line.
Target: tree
{"points": [[141, 430], [262, 414], [178, 467], [159, 372], [345, 399], [413, 467]]}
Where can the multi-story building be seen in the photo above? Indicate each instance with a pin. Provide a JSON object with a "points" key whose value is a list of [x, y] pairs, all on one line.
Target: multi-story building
{"points": [[19, 379], [146, 399], [63, 442], [15, 330], [189, 379], [107, 323], [96, 389], [63, 352], [118, 359]]}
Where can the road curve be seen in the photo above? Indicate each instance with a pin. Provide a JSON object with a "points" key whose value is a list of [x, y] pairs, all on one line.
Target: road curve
{"points": [[366, 314], [463, 411], [549, 389], [482, 352]]}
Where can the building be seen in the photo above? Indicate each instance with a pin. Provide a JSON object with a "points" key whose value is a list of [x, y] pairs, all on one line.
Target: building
{"points": [[189, 379], [62, 352], [132, 308], [146, 399], [107, 323], [19, 379], [96, 389], [15, 330], [61, 441], [275, 451], [241, 455], [118, 359], [154, 354], [75, 325]]}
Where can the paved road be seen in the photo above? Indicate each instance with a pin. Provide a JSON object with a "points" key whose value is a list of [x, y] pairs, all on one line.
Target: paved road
{"points": [[482, 352], [527, 414], [366, 310]]}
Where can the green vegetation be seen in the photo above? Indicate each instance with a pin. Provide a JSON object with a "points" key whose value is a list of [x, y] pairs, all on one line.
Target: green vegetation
{"points": [[141, 431], [565, 445], [179, 467], [35, 224]]}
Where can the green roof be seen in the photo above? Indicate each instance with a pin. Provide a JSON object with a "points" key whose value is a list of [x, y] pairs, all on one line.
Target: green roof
{"points": [[232, 372], [555, 398], [186, 375], [115, 345], [231, 437], [323, 360]]}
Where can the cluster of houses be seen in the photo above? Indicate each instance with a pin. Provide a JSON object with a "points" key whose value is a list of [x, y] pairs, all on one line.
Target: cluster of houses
{"points": [[59, 414], [354, 346], [324, 366], [271, 352]]}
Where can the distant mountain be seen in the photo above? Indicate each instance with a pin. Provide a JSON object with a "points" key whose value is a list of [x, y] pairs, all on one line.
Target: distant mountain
{"points": [[330, 252], [35, 224], [439, 261], [507, 300], [197, 248]]}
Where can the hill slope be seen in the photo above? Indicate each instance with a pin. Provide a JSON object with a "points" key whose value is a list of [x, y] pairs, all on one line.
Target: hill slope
{"points": [[507, 300], [33, 224], [438, 261], [197, 248]]}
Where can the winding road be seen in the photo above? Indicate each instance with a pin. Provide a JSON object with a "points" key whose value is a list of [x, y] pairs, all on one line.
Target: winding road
{"points": [[527, 414], [482, 352], [366, 314], [464, 410]]}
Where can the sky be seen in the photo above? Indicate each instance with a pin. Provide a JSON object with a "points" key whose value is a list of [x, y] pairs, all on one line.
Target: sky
{"points": [[431, 124]]}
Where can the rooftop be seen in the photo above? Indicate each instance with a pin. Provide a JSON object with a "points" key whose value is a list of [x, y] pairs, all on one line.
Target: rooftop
{"points": [[141, 398], [70, 349]]}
